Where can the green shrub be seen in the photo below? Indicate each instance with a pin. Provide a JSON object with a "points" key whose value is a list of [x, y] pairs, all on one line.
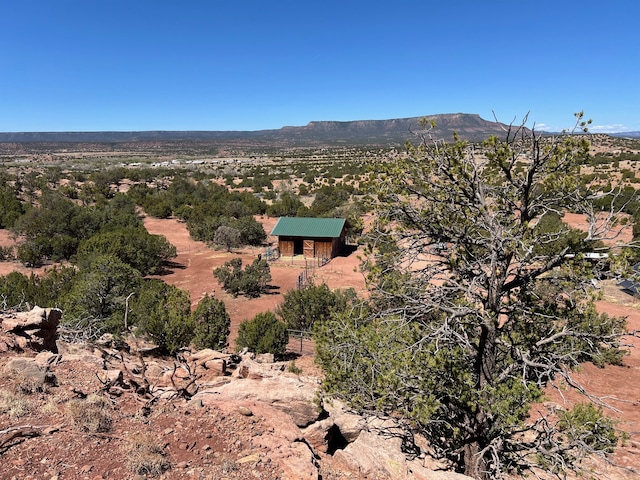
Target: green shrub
{"points": [[211, 324], [163, 313], [585, 424], [287, 206], [161, 209], [293, 368], [134, 246], [252, 281], [7, 253], [99, 291], [302, 308], [263, 334], [227, 237]]}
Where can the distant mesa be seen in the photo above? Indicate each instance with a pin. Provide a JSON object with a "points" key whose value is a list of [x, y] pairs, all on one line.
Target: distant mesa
{"points": [[361, 132], [626, 134]]}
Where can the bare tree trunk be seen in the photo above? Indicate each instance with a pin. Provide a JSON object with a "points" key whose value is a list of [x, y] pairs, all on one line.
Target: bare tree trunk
{"points": [[486, 359], [474, 465]]}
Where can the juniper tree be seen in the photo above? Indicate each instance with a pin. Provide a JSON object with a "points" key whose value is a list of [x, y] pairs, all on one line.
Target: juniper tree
{"points": [[211, 324], [481, 298], [252, 281]]}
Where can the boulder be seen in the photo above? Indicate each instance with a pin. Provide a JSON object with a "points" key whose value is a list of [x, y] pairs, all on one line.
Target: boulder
{"points": [[36, 318], [317, 435], [265, 358], [201, 357], [287, 394], [35, 329], [349, 424], [48, 359], [249, 368], [8, 343], [27, 375], [300, 463], [372, 454]]}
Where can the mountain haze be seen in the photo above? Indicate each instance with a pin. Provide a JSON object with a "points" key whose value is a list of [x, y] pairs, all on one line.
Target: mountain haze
{"points": [[626, 134], [361, 132]]}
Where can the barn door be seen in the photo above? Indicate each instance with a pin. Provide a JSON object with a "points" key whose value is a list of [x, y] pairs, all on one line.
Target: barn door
{"points": [[309, 248]]}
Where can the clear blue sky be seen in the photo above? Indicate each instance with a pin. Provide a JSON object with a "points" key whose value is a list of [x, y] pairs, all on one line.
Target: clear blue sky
{"points": [[92, 65]]}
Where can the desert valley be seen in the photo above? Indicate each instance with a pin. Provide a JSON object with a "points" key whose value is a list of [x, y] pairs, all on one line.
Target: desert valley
{"points": [[205, 414]]}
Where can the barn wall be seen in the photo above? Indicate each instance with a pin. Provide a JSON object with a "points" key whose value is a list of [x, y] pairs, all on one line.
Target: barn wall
{"points": [[324, 248], [311, 247], [286, 247], [336, 246]]}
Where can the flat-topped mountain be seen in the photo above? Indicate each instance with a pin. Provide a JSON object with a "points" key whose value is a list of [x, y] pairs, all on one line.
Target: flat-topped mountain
{"points": [[361, 132]]}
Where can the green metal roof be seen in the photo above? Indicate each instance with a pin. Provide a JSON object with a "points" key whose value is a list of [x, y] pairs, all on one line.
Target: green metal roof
{"points": [[308, 227]]}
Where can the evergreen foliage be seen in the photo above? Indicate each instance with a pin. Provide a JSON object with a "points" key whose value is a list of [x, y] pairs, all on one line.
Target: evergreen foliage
{"points": [[163, 313], [211, 324], [99, 291], [304, 307], [54, 229], [227, 237], [287, 206], [263, 334], [11, 208], [252, 281], [134, 246], [22, 292], [480, 298], [327, 199]]}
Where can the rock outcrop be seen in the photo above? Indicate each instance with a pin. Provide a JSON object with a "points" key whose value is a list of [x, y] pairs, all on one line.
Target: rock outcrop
{"points": [[374, 455], [27, 375], [305, 431], [33, 330], [280, 422]]}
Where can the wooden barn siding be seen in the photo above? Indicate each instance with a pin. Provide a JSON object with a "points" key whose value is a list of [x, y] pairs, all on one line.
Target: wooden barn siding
{"points": [[312, 247], [324, 248], [337, 246], [286, 247]]}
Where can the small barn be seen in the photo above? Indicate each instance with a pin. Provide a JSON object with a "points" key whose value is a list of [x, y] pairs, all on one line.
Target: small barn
{"points": [[311, 237]]}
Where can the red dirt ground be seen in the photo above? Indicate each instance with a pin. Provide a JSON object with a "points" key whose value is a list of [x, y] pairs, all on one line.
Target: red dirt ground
{"points": [[619, 386]]}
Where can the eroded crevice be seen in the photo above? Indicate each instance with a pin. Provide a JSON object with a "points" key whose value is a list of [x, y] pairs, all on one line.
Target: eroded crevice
{"points": [[335, 440]]}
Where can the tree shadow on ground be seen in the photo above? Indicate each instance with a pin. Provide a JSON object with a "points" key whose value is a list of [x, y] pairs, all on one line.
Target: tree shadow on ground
{"points": [[288, 356], [168, 267], [271, 290]]}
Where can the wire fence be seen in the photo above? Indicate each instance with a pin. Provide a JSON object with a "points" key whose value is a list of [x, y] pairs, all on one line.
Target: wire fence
{"points": [[272, 254], [301, 341], [310, 266]]}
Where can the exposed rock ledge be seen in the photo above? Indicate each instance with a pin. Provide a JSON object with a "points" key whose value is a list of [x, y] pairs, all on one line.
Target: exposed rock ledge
{"points": [[296, 433]]}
